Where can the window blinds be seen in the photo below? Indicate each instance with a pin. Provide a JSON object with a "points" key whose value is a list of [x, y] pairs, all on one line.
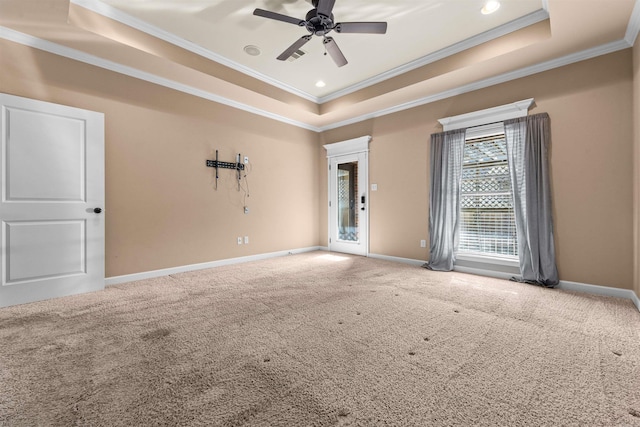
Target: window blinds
{"points": [[487, 222]]}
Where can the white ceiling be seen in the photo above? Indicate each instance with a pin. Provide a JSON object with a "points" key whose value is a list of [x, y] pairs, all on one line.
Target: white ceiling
{"points": [[416, 30]]}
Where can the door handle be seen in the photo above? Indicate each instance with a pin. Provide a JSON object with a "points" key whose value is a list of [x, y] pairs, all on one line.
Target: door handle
{"points": [[97, 210]]}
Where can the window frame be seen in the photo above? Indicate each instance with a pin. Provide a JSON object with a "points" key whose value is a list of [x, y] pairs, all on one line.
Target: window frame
{"points": [[476, 132], [480, 124]]}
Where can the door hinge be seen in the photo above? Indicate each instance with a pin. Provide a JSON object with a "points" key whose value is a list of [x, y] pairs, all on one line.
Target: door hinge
{"points": [[329, 203], [329, 239], [329, 167]]}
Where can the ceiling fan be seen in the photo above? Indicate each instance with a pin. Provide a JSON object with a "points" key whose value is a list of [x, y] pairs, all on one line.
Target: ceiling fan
{"points": [[319, 21]]}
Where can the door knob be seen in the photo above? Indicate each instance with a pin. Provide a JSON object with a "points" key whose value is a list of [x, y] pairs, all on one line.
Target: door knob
{"points": [[97, 210]]}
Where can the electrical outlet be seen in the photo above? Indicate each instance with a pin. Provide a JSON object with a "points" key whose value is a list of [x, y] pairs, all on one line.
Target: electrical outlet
{"points": [[239, 240], [246, 240], [423, 243], [246, 160], [246, 209]]}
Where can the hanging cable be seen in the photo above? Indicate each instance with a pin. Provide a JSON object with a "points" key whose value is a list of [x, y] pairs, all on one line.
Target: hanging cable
{"points": [[245, 186]]}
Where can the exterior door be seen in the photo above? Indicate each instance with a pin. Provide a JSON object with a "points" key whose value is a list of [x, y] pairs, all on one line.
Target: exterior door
{"points": [[348, 204], [52, 185]]}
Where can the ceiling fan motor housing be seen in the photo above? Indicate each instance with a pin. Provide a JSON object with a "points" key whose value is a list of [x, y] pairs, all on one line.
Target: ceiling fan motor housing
{"points": [[318, 24]]}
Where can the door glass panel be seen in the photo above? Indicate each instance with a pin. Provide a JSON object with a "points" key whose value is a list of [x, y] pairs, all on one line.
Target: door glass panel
{"points": [[347, 203]]}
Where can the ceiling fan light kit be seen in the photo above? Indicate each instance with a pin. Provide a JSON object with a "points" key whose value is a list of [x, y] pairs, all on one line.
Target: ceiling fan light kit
{"points": [[319, 21]]}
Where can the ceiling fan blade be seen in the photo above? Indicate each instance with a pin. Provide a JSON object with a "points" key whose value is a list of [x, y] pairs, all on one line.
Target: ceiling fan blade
{"points": [[291, 49], [278, 17], [334, 51], [361, 27], [325, 7]]}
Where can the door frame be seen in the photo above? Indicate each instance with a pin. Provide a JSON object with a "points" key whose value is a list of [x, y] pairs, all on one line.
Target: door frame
{"points": [[357, 148]]}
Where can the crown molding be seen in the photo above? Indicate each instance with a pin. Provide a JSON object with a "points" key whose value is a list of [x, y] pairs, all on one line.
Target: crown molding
{"points": [[634, 25], [56, 49], [509, 27], [47, 46], [492, 81], [119, 16]]}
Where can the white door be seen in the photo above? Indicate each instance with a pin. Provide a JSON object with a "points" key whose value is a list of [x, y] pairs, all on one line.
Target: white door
{"points": [[52, 184], [348, 204]]}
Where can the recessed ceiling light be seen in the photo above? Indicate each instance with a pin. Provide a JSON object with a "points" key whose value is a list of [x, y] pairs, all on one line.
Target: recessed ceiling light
{"points": [[320, 83], [490, 7], [252, 50]]}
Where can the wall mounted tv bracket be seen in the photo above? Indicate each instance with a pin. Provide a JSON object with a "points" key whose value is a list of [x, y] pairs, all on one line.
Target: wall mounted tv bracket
{"points": [[237, 165]]}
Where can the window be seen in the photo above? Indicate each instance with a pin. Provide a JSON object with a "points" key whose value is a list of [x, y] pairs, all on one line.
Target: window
{"points": [[347, 194], [487, 221], [487, 232]]}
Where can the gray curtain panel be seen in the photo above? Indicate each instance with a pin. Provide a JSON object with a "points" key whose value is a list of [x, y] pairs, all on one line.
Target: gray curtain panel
{"points": [[528, 140], [444, 198]]}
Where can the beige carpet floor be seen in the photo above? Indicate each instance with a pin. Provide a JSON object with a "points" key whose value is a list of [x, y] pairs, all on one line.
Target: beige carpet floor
{"points": [[316, 340]]}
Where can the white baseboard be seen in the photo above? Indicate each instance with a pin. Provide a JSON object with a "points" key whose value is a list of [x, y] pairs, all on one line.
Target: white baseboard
{"points": [[116, 280], [600, 290], [564, 284], [417, 262]]}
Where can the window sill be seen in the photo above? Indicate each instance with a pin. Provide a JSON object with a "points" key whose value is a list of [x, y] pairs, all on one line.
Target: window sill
{"points": [[484, 259]]}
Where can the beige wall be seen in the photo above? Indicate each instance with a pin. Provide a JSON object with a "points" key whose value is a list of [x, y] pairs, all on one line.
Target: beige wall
{"points": [[591, 168], [636, 167], [162, 210], [161, 207]]}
